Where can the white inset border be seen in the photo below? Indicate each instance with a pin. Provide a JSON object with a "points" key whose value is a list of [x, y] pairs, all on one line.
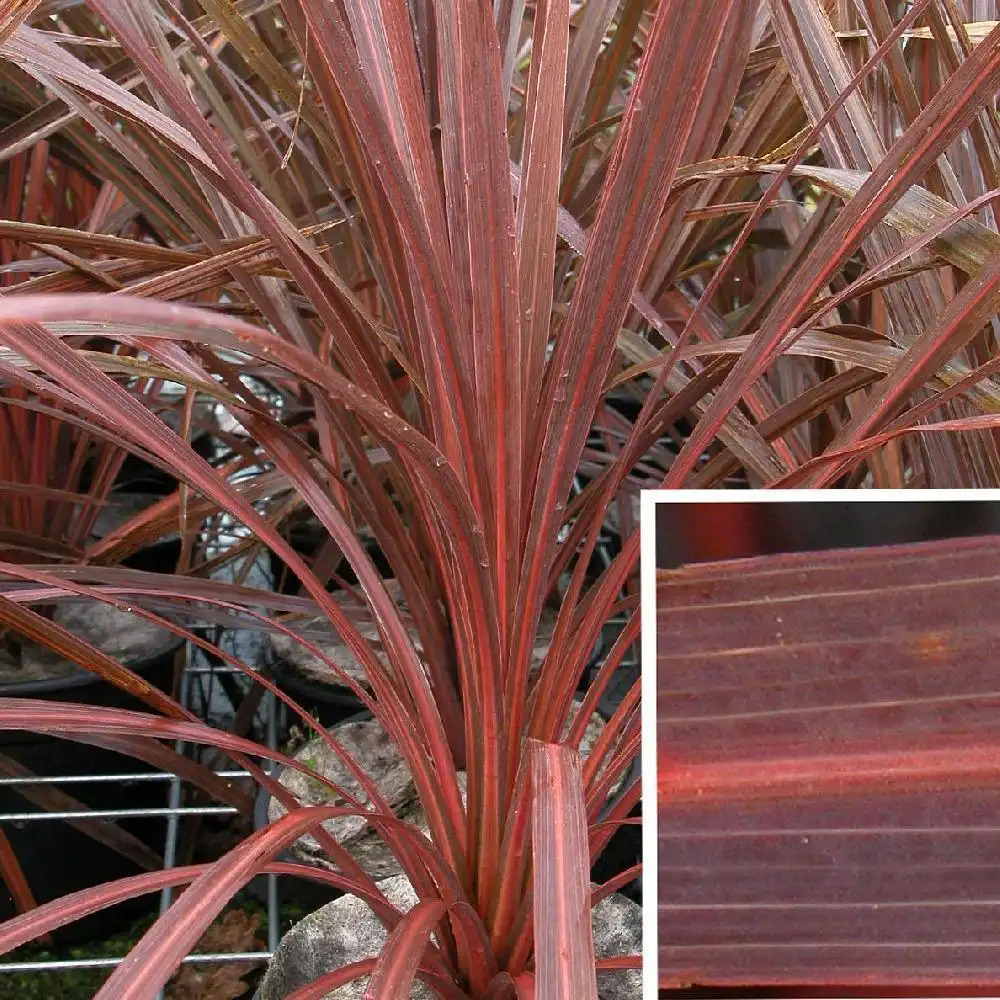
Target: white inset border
{"points": [[648, 502]]}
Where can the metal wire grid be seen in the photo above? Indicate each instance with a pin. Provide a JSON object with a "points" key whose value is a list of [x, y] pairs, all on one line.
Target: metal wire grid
{"points": [[173, 812]]}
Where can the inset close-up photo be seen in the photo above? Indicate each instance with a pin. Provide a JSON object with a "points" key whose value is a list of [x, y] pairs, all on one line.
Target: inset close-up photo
{"points": [[827, 698]]}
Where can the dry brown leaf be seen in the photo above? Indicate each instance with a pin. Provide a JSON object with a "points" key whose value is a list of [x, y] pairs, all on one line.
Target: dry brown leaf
{"points": [[236, 932]]}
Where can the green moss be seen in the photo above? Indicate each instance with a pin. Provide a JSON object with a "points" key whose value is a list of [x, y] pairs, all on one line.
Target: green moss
{"points": [[69, 984]]}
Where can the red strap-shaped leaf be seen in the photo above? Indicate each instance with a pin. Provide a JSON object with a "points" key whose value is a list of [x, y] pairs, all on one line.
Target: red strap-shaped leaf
{"points": [[564, 944]]}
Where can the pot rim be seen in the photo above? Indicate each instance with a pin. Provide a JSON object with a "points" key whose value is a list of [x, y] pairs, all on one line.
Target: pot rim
{"points": [[81, 678]]}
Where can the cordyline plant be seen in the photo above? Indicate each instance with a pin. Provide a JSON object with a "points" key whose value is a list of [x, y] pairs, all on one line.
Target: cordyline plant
{"points": [[454, 235], [55, 476]]}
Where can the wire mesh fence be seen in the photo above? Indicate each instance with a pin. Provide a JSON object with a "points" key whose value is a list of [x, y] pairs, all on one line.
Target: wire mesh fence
{"points": [[200, 691]]}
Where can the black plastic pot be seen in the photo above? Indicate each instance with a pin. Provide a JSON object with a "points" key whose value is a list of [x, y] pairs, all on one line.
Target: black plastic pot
{"points": [[136, 475], [308, 543], [327, 703], [139, 476], [331, 703], [57, 858]]}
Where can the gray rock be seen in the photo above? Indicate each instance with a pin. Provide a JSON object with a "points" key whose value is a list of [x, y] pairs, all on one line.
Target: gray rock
{"points": [[121, 635], [369, 745], [617, 923], [347, 930], [380, 758], [335, 935], [329, 642], [293, 654], [382, 761]]}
